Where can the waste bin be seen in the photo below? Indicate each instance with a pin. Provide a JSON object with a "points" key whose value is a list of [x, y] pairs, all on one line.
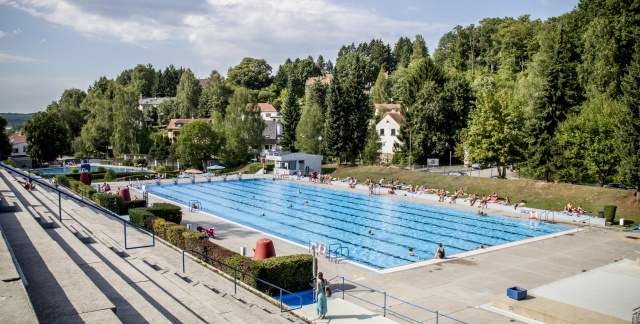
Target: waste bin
{"points": [[600, 214], [621, 221], [243, 250]]}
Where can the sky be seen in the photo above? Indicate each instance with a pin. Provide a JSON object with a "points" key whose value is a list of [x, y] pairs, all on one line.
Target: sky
{"points": [[47, 46]]}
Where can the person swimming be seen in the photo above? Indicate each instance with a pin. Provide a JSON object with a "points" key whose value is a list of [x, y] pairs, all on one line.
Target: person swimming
{"points": [[306, 201], [262, 214], [370, 233], [290, 205]]}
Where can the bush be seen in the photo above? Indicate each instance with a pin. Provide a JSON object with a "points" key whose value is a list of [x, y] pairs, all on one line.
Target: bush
{"points": [[74, 170], [110, 175], [11, 163], [85, 189], [164, 168], [253, 168], [610, 213], [290, 272], [110, 202], [101, 169], [140, 161], [169, 212], [139, 216], [128, 162], [35, 173]]}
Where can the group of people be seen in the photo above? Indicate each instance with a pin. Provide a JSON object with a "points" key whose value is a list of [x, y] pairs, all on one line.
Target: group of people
{"points": [[569, 208], [105, 187]]}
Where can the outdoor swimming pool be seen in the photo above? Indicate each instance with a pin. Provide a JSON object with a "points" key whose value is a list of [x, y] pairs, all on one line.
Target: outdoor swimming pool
{"points": [[67, 169], [340, 217]]}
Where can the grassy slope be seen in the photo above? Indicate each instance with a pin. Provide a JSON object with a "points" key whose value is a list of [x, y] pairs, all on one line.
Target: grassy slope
{"points": [[538, 194]]}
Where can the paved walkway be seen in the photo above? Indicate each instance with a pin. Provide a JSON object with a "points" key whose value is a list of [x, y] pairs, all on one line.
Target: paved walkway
{"points": [[455, 287]]}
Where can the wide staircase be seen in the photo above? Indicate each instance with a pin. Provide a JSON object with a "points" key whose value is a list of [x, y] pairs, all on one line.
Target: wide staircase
{"points": [[78, 270]]}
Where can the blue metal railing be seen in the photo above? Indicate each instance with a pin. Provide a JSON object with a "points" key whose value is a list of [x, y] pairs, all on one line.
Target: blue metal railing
{"points": [[384, 306], [61, 193], [235, 280]]}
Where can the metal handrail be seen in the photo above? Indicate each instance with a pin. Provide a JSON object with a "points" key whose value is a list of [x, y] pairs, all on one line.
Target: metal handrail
{"points": [[88, 204], [235, 280], [384, 306]]}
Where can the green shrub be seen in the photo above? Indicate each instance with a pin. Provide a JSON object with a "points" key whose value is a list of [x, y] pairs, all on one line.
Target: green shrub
{"points": [[610, 213], [174, 235], [74, 170], [168, 212], [110, 175], [128, 162], [11, 163], [253, 168], [290, 272], [140, 161], [138, 216], [133, 204], [101, 169], [110, 202], [244, 264], [164, 168], [81, 188], [36, 173]]}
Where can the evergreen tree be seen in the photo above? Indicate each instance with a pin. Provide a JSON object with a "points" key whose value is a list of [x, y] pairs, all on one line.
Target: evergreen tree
{"points": [[402, 52], [312, 120], [371, 152], [419, 49], [549, 113], [188, 95], [320, 64], [628, 120], [218, 92], [336, 120], [381, 92], [290, 119], [5, 147]]}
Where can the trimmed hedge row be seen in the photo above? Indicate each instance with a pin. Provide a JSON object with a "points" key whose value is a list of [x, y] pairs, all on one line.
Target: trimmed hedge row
{"points": [[253, 168], [64, 180], [111, 200], [291, 272], [168, 212]]}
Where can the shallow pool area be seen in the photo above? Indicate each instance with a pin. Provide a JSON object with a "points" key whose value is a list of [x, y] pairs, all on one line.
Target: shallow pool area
{"points": [[67, 169], [342, 219]]}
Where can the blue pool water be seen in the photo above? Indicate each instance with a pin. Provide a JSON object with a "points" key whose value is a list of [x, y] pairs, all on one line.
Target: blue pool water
{"points": [[340, 217], [65, 170]]}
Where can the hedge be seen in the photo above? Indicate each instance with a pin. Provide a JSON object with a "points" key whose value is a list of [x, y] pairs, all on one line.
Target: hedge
{"points": [[610, 213], [123, 206], [139, 215], [168, 212], [291, 272], [253, 168]]}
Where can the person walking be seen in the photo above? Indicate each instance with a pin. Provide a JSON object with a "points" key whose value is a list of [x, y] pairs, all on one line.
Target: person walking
{"points": [[321, 297]]}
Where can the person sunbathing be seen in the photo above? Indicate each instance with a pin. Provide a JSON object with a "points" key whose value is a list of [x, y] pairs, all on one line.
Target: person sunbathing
{"points": [[27, 185], [473, 197], [494, 197], [453, 198], [483, 202]]}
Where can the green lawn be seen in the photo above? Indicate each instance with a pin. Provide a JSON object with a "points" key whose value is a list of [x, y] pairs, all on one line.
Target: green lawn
{"points": [[538, 194]]}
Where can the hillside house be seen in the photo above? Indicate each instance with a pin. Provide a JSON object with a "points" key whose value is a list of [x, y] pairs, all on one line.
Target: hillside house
{"points": [[173, 129], [18, 142], [389, 128]]}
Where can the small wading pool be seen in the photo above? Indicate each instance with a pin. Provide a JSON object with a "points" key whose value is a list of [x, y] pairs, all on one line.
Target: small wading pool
{"points": [[343, 218], [67, 169]]}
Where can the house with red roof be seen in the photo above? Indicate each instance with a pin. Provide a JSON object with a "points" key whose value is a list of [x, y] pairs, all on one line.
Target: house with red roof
{"points": [[389, 128], [18, 141], [175, 125], [325, 79], [388, 107]]}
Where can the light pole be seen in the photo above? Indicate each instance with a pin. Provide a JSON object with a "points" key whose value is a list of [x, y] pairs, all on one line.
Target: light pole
{"points": [[319, 145], [409, 148]]}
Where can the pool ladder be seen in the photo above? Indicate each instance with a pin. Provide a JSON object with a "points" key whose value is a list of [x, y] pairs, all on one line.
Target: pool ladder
{"points": [[338, 253]]}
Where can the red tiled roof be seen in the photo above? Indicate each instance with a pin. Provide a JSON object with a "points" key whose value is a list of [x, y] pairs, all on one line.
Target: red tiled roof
{"points": [[324, 79], [173, 122], [396, 116], [388, 106], [265, 107], [203, 82], [17, 138]]}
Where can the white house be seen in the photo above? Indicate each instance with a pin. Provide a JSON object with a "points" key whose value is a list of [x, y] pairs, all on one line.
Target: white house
{"points": [[18, 141], [389, 128], [291, 163], [148, 102], [268, 111], [389, 107]]}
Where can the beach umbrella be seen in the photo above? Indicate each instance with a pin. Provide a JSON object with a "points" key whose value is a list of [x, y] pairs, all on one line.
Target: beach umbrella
{"points": [[215, 167], [193, 171]]}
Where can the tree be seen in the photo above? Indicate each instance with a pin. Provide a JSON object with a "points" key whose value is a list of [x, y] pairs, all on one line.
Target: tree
{"points": [[197, 143], [419, 49], [5, 146], [72, 115], [143, 79], [253, 74], [169, 80], [373, 145], [45, 135], [218, 92], [311, 124], [402, 52], [290, 118], [496, 130], [320, 64], [129, 135], [381, 93], [549, 113], [188, 95], [160, 148], [628, 120]]}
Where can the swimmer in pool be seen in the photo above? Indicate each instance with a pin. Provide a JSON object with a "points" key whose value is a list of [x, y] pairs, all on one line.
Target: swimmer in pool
{"points": [[370, 233], [411, 251], [306, 201], [289, 206], [253, 197], [262, 214]]}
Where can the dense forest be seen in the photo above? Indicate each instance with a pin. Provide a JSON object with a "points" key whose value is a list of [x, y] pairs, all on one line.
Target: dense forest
{"points": [[559, 98]]}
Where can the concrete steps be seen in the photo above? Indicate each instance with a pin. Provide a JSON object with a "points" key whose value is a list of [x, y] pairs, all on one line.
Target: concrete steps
{"points": [[146, 285], [59, 291]]}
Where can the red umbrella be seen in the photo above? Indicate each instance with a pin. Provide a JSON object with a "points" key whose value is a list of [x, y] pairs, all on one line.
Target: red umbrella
{"points": [[193, 171]]}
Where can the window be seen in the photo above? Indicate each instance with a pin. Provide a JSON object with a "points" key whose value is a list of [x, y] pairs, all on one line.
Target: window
{"points": [[381, 131], [15, 150], [393, 132], [268, 114]]}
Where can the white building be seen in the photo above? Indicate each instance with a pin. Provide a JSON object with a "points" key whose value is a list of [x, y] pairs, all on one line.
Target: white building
{"points": [[389, 107], [148, 102], [389, 128], [18, 141], [291, 163]]}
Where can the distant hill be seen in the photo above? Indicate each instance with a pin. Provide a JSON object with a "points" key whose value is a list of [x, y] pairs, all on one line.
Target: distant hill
{"points": [[14, 118]]}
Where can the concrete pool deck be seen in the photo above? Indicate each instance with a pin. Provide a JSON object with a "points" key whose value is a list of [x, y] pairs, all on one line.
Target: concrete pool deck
{"points": [[457, 287]]}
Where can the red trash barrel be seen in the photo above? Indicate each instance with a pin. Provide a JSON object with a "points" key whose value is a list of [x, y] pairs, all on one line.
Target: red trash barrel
{"points": [[124, 193], [264, 249], [85, 178]]}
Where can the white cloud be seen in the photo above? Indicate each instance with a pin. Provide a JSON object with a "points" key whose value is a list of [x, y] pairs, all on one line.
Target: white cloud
{"points": [[2, 34], [6, 58], [43, 40], [17, 31]]}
